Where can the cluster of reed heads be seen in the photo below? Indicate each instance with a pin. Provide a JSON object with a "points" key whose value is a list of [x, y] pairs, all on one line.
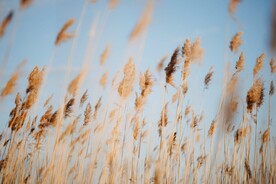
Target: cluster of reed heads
{"points": [[81, 142]]}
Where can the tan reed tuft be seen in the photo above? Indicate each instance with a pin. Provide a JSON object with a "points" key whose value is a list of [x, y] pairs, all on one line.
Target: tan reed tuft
{"points": [[63, 35], [105, 55], [266, 135], [126, 85], [97, 107], [259, 64], [113, 3], [25, 3], [171, 68], [87, 114], [236, 42], [4, 24], [271, 88], [143, 22], [10, 85], [103, 79], [34, 83], [68, 107], [208, 77], [196, 50], [240, 63], [84, 98], [255, 95], [74, 84], [272, 65], [212, 129], [233, 6], [160, 65]]}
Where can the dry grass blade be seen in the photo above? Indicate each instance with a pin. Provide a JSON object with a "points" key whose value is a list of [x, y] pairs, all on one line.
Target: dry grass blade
{"points": [[232, 84], [5, 23], [63, 35]]}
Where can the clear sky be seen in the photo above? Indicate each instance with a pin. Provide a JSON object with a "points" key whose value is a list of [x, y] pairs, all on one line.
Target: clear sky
{"points": [[33, 32]]}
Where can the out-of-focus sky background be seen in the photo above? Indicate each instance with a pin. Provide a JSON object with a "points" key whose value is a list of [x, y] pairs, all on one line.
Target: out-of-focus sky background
{"points": [[32, 33]]}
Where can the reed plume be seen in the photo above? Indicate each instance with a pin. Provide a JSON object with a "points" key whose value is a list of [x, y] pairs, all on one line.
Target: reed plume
{"points": [[212, 129], [255, 95], [113, 3], [87, 114], [186, 49], [126, 85], [266, 135], [236, 42], [63, 35], [160, 65], [259, 64], [10, 85], [4, 24], [233, 6], [143, 22], [240, 63], [84, 98], [271, 88], [146, 83], [74, 84], [208, 77], [34, 83], [171, 68], [196, 50], [25, 3], [104, 55], [272, 66], [68, 107], [103, 79]]}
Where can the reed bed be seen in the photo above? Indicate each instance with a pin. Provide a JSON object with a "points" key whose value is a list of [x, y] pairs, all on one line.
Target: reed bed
{"points": [[86, 138]]}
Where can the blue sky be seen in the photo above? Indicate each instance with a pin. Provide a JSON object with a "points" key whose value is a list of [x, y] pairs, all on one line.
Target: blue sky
{"points": [[35, 30]]}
